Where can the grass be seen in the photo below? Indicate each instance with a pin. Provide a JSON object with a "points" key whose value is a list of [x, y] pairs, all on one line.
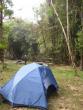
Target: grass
{"points": [[70, 95]]}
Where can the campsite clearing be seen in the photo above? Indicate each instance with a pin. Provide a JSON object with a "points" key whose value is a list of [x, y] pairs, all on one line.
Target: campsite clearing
{"points": [[70, 95]]}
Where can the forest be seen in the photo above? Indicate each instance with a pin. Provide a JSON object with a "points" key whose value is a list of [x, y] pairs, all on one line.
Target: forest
{"points": [[55, 37], [44, 39]]}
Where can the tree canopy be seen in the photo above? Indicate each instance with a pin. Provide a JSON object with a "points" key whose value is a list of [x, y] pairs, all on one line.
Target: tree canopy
{"points": [[45, 38]]}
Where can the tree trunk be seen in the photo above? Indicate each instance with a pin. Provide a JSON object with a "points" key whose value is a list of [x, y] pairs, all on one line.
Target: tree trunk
{"points": [[81, 61], [1, 32], [65, 35], [81, 53], [44, 41], [43, 35], [1, 19]]}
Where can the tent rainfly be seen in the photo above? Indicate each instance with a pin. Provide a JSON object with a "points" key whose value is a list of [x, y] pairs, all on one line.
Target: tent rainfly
{"points": [[29, 87]]}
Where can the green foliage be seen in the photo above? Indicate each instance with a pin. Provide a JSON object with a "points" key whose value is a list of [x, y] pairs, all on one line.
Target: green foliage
{"points": [[51, 38], [46, 33], [8, 12], [54, 42], [6, 7], [21, 39], [4, 11], [50, 11], [80, 40], [3, 44]]}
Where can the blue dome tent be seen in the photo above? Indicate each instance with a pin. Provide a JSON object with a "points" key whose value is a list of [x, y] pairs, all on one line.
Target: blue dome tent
{"points": [[29, 86]]}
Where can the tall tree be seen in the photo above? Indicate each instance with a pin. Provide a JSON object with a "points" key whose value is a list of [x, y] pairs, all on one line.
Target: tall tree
{"points": [[1, 31], [1, 18], [80, 47], [4, 11], [66, 35]]}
